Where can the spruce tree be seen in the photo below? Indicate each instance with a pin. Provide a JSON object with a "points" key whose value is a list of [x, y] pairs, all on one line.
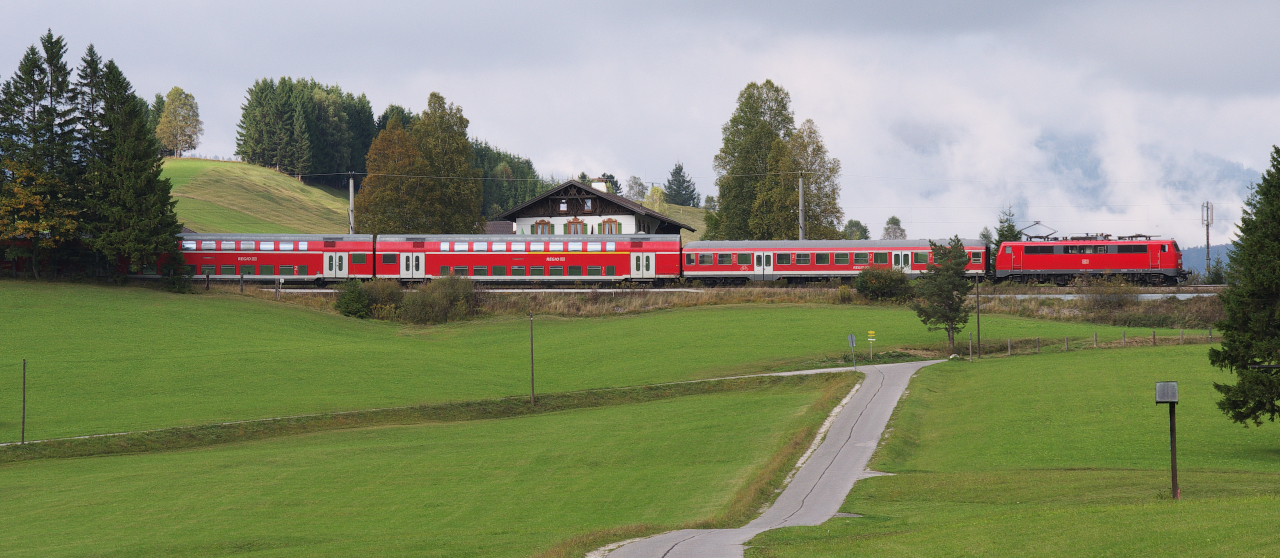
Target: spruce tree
{"points": [[942, 291], [763, 115], [680, 189], [1251, 330], [136, 219]]}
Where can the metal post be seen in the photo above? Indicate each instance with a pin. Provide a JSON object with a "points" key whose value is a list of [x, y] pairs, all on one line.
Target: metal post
{"points": [[1122, 338], [351, 203], [1173, 450], [206, 281], [531, 393], [978, 289], [1182, 334], [970, 346], [241, 282], [23, 437], [278, 282], [802, 207], [1095, 339], [1206, 218], [1153, 338], [1010, 341]]}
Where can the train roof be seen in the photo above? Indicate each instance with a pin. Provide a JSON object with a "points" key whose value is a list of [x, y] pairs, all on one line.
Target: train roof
{"points": [[865, 244], [303, 237]]}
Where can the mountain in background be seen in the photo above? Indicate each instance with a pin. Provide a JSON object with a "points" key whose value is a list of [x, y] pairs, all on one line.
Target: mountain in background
{"points": [[1193, 257]]}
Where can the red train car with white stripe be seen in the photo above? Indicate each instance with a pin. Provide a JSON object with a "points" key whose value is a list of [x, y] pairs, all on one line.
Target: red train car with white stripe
{"points": [[1138, 259], [738, 261]]}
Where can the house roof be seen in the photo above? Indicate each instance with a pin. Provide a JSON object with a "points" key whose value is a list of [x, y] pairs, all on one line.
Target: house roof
{"points": [[511, 214]]}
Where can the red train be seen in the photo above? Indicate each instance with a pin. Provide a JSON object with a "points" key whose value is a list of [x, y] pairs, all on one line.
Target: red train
{"points": [[1138, 259], [549, 258]]}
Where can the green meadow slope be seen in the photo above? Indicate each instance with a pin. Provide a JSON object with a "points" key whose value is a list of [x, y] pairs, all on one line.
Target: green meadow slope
{"points": [[230, 197], [1058, 455]]}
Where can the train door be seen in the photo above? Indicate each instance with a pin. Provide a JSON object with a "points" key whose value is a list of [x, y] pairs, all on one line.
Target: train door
{"points": [[902, 260], [411, 266], [1015, 254], [335, 265], [642, 265], [764, 266], [1153, 254]]}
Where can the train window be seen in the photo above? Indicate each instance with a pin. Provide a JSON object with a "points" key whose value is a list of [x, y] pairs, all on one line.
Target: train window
{"points": [[208, 269], [575, 246], [802, 259], [286, 270], [499, 271], [783, 259], [267, 246], [406, 263], [267, 269], [610, 270], [860, 258], [537, 247], [897, 259], [444, 270], [689, 259], [842, 258], [459, 246], [610, 246], [227, 270], [759, 260], [460, 270], [1132, 249], [880, 258], [226, 245], [593, 246], [822, 258], [637, 263], [359, 259], [417, 262], [975, 257], [517, 270], [920, 257], [208, 245], [768, 260], [390, 259], [246, 246], [575, 270], [1038, 250], [286, 246], [555, 246], [188, 245], [744, 259], [1008, 249], [191, 270], [302, 246], [724, 259], [1069, 249], [480, 271], [1164, 247], [646, 263], [704, 259], [499, 246], [246, 270], [302, 270], [517, 246], [537, 270], [593, 270], [1100, 249], [480, 246], [557, 270]]}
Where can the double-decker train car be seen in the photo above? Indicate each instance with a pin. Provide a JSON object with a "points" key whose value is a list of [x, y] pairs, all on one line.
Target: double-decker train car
{"points": [[492, 258], [1138, 259], [737, 261]]}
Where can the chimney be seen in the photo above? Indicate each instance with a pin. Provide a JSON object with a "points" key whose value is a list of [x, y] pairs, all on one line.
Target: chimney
{"points": [[600, 184]]}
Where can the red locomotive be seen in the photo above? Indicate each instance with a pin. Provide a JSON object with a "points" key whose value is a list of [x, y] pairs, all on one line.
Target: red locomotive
{"points": [[1138, 259]]}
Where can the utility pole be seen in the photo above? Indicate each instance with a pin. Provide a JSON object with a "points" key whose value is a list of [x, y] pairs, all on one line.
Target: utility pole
{"points": [[801, 207], [23, 437], [1206, 219], [351, 202]]}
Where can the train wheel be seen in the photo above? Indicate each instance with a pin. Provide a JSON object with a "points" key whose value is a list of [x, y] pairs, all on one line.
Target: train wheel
{"points": [[319, 282]]}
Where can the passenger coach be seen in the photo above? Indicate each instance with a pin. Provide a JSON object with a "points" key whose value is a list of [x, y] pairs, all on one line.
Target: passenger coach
{"points": [[738, 261]]}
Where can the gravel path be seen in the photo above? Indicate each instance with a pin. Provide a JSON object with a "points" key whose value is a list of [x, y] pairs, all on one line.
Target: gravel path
{"points": [[818, 488]]}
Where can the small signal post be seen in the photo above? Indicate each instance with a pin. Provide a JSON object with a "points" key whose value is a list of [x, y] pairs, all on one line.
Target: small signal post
{"points": [[1167, 393], [871, 343]]}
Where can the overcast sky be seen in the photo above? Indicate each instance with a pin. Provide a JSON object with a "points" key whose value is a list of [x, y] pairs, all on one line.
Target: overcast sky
{"points": [[1119, 117]]}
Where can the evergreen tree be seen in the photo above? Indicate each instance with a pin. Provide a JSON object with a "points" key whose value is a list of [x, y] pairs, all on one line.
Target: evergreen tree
{"points": [[393, 111], [89, 84], [680, 189], [135, 212], [1007, 230], [508, 180], [1251, 330], [20, 100], [153, 114], [56, 121], [763, 115], [942, 291]]}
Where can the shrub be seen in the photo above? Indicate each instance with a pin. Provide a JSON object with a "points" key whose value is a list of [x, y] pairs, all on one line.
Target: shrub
{"points": [[884, 283], [441, 300], [383, 292], [844, 295], [1107, 293], [352, 300]]}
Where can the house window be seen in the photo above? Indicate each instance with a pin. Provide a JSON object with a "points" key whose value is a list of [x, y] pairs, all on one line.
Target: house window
{"points": [[586, 205], [564, 206], [575, 226], [610, 226], [542, 227]]}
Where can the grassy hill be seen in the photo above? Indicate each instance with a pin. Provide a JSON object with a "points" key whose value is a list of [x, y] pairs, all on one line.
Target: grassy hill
{"points": [[225, 197], [695, 217]]}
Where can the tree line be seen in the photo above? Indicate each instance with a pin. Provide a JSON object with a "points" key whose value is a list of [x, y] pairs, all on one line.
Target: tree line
{"points": [[80, 186]]}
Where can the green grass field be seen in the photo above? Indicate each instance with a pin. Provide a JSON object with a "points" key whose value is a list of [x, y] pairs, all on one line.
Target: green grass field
{"points": [[230, 197], [1059, 455], [507, 487], [108, 359]]}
